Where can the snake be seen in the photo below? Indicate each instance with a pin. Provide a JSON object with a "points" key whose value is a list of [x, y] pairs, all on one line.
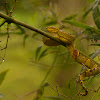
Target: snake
{"points": [[92, 67]]}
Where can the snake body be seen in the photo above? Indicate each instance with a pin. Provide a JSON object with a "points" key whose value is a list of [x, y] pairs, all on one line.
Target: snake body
{"points": [[93, 68]]}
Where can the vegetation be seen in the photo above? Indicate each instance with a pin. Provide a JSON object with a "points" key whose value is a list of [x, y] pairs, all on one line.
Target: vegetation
{"points": [[31, 70]]}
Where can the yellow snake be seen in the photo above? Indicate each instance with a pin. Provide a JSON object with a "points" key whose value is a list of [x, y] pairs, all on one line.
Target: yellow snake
{"points": [[92, 67]]}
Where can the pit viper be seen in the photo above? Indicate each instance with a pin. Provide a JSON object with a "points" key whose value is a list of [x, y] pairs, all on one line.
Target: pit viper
{"points": [[93, 68]]}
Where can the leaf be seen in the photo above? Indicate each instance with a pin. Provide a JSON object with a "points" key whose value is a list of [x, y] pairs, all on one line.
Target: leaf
{"points": [[37, 52], [69, 85], [43, 54], [91, 1], [78, 24], [25, 37], [91, 37], [45, 84], [95, 44], [53, 13], [88, 32], [5, 33], [51, 22], [41, 91], [22, 31], [1, 95], [94, 37], [2, 76], [96, 14], [70, 17], [82, 25], [34, 34], [87, 12]]}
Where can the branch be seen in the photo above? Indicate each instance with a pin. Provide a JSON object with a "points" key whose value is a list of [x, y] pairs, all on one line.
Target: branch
{"points": [[11, 20]]}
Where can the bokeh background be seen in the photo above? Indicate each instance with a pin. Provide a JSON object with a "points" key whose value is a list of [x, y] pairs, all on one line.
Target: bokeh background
{"points": [[28, 66]]}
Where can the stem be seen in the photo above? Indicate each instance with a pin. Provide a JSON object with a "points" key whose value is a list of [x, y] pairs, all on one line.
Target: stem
{"points": [[11, 20]]}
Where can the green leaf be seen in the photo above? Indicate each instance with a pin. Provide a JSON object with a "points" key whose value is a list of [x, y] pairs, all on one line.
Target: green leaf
{"points": [[87, 12], [69, 85], [34, 34], [25, 37], [2, 76], [70, 17], [87, 31], [93, 37], [43, 53], [37, 52], [96, 14], [53, 13], [91, 1], [6, 33], [95, 44], [78, 24], [22, 31], [45, 84], [51, 22], [82, 25], [41, 91]]}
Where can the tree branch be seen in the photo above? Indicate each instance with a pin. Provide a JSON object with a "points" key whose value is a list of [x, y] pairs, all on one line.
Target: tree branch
{"points": [[11, 20]]}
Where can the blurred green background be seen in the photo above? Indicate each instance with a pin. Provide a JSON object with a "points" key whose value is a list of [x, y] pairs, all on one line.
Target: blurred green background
{"points": [[25, 71]]}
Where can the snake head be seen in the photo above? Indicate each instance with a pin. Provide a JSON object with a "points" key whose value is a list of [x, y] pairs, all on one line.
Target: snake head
{"points": [[52, 29]]}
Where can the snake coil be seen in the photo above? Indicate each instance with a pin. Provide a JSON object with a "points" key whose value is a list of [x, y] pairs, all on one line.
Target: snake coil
{"points": [[93, 68]]}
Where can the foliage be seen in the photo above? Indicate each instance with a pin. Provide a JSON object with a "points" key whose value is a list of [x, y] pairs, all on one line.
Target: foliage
{"points": [[2, 76], [42, 15]]}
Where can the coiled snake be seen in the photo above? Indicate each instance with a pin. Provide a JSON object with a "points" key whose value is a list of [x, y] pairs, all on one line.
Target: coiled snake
{"points": [[93, 68]]}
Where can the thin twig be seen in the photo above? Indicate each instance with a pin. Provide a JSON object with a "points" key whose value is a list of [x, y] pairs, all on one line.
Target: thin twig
{"points": [[60, 93], [12, 8], [7, 38], [57, 92], [6, 7], [27, 94], [95, 93], [3, 23]]}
